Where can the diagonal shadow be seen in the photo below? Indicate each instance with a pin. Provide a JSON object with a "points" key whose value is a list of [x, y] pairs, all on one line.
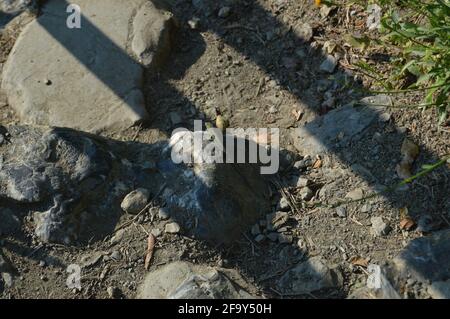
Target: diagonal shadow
{"points": [[300, 79]]}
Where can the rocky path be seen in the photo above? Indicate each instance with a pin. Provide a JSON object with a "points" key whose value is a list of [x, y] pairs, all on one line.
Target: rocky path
{"points": [[101, 198]]}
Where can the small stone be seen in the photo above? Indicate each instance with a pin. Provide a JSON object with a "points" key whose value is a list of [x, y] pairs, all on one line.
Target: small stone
{"points": [[260, 238], [341, 212], [285, 239], [366, 208], [42, 263], [118, 236], [116, 255], [303, 182], [379, 227], [255, 230], [329, 64], [135, 201], [172, 228], [300, 164], [224, 12], [47, 82], [7, 279], [156, 232], [163, 213], [113, 292], [273, 236], [325, 11], [385, 117], [355, 194], [194, 23], [2, 139], [283, 205], [304, 31], [306, 193]]}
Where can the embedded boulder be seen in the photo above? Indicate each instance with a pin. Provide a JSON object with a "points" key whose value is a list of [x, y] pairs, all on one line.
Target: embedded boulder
{"points": [[88, 78]]}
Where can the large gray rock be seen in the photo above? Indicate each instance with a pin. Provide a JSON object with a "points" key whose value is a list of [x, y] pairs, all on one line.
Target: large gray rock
{"points": [[75, 182], [88, 78], [338, 127], [183, 280], [65, 170]]}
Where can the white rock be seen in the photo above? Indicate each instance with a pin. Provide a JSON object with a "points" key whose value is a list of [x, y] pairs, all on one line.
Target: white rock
{"points": [[379, 227], [172, 228]]}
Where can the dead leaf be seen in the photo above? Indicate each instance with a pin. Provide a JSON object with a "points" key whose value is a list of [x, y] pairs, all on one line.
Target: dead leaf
{"points": [[150, 247], [359, 261], [407, 223], [318, 163]]}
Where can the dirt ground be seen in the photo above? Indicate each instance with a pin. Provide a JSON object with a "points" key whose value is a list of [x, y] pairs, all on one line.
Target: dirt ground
{"points": [[255, 69]]}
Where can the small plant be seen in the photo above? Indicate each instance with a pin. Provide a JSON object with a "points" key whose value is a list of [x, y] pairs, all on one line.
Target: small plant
{"points": [[422, 30]]}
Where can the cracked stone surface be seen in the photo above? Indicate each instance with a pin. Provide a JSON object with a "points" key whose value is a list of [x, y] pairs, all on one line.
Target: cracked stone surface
{"points": [[88, 78]]}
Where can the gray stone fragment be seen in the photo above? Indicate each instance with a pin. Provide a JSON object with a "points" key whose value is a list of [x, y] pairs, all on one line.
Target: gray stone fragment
{"points": [[329, 64], [310, 276], [379, 227], [172, 228], [135, 201]]}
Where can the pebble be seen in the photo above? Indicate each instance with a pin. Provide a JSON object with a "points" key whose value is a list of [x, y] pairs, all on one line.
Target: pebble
{"points": [[273, 236], [366, 208], [116, 255], [7, 279], [303, 182], [283, 205], [379, 227], [304, 31], [355, 194], [329, 64], [306, 193], [194, 23], [156, 232], [172, 228], [285, 239], [260, 238], [135, 201], [113, 292], [163, 213], [341, 212], [224, 12], [255, 230], [2, 139]]}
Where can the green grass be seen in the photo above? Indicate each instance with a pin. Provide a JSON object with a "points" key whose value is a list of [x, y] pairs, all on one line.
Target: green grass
{"points": [[421, 29]]}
